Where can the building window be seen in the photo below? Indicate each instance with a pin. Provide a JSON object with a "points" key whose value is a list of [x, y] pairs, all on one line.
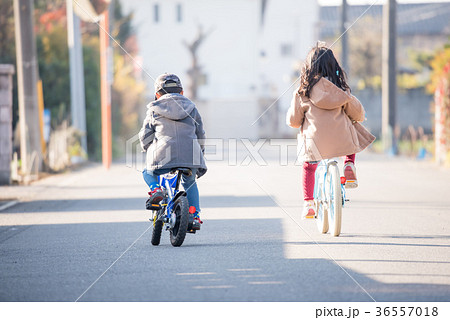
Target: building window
{"points": [[286, 49], [179, 13], [156, 13]]}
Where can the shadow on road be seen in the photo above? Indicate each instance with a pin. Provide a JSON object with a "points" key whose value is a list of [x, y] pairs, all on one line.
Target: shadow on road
{"points": [[112, 204], [308, 243], [395, 236], [227, 260]]}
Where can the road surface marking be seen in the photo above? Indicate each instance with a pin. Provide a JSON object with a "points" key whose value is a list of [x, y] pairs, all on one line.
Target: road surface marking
{"points": [[213, 287], [195, 274], [242, 270], [206, 279], [265, 282], [8, 205]]}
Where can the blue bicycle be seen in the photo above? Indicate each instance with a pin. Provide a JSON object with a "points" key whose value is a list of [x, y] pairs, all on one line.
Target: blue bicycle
{"points": [[173, 211], [329, 194]]}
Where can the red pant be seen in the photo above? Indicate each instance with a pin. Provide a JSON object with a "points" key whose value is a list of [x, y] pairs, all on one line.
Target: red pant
{"points": [[309, 170]]}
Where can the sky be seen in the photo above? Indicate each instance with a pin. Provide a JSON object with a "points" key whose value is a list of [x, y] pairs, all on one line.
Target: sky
{"points": [[350, 2]]}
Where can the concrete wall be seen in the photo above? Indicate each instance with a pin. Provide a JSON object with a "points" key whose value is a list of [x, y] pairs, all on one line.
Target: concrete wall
{"points": [[413, 108], [225, 119], [248, 62], [6, 72]]}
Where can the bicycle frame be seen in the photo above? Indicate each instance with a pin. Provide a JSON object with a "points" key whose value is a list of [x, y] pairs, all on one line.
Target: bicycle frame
{"points": [[173, 210], [320, 179], [329, 194], [170, 183]]}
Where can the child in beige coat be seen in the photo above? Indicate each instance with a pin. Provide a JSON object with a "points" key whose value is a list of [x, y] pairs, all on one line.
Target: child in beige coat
{"points": [[328, 115]]}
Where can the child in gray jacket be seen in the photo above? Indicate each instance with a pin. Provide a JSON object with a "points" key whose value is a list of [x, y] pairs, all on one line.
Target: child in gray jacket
{"points": [[172, 135]]}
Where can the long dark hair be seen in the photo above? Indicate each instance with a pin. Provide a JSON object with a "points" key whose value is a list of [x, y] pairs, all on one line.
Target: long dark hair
{"points": [[319, 63]]}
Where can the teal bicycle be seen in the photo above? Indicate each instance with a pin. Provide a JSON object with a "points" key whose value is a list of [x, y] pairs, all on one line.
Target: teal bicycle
{"points": [[329, 194]]}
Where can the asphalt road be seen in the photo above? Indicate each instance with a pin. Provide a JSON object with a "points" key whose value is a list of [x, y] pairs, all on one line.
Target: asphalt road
{"points": [[85, 236]]}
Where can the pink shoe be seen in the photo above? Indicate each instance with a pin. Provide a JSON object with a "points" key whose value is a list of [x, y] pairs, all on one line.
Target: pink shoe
{"points": [[350, 176], [309, 209]]}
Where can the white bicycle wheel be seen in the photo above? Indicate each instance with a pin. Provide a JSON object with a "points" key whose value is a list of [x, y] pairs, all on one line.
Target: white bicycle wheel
{"points": [[322, 212], [333, 188]]}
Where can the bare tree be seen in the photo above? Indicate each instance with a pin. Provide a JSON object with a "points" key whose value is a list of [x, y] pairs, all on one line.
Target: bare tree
{"points": [[194, 72]]}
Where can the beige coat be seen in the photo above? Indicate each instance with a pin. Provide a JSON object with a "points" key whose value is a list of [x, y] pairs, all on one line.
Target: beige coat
{"points": [[329, 123]]}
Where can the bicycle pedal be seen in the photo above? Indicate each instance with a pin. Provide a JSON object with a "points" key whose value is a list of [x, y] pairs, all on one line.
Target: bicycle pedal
{"points": [[191, 231], [151, 206], [154, 206], [196, 225]]}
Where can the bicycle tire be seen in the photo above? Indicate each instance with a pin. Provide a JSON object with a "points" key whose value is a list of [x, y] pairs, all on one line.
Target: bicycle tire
{"points": [[156, 234], [157, 229], [335, 199], [181, 211], [322, 212]]}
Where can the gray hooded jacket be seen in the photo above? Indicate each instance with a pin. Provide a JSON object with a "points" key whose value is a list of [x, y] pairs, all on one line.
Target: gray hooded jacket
{"points": [[173, 135]]}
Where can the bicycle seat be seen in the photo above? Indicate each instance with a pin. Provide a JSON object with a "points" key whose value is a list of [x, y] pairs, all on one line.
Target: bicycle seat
{"points": [[186, 171]]}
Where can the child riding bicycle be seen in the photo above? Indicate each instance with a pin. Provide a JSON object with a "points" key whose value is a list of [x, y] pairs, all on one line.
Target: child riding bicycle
{"points": [[329, 117], [172, 135]]}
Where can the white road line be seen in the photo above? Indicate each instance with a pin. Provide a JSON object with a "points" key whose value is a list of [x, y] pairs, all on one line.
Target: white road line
{"points": [[213, 287], [8, 205], [195, 273], [265, 282]]}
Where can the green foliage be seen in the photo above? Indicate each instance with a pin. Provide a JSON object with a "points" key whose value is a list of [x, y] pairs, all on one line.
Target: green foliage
{"points": [[406, 147], [365, 52], [54, 71], [127, 89], [7, 41], [91, 58], [127, 99], [53, 59], [420, 59], [75, 149], [408, 81], [417, 69], [122, 29], [8, 47], [365, 58]]}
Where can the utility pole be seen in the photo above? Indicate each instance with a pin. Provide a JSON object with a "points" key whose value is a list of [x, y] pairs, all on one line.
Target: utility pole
{"points": [[93, 11], [77, 96], [344, 39], [389, 73], [30, 136], [105, 91], [6, 137]]}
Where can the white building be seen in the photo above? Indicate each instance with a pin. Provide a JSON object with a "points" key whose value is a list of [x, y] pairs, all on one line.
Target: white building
{"points": [[248, 58]]}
